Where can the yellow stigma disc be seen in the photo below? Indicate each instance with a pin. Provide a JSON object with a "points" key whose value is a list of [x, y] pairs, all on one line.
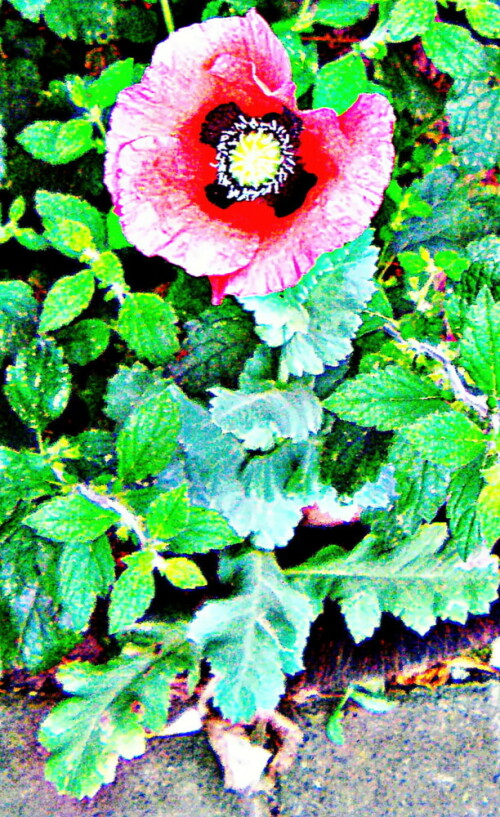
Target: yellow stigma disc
{"points": [[255, 159]]}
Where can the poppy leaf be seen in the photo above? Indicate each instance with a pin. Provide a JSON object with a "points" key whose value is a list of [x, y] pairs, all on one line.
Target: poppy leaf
{"points": [[245, 641], [262, 418], [406, 581], [315, 320], [88, 734]]}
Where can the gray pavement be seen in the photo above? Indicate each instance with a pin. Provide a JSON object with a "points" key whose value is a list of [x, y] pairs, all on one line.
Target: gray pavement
{"points": [[435, 755]]}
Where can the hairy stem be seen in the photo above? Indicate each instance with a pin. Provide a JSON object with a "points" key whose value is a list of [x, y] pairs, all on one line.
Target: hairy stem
{"points": [[474, 401], [167, 16]]}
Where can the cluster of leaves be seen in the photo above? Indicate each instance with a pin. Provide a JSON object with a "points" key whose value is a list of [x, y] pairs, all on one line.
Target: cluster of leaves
{"points": [[157, 452]]}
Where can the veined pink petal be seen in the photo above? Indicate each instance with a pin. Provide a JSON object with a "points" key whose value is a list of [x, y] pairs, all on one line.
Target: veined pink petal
{"points": [[353, 156], [158, 169]]}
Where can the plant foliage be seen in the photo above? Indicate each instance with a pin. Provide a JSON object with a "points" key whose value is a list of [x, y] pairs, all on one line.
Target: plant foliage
{"points": [[157, 453]]}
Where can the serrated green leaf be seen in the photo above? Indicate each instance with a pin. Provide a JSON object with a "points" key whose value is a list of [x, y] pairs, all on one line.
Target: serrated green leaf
{"points": [[261, 418], [488, 505], [87, 733], [30, 9], [483, 15], [92, 21], [70, 237], [38, 384], [28, 577], [316, 320], [31, 240], [273, 488], [340, 13], [453, 50], [448, 439], [18, 310], [417, 580], [116, 239], [409, 18], [108, 270], [153, 688], [303, 55], [147, 324], [387, 399], [182, 573], [421, 485], [480, 345], [133, 591], [339, 83], [377, 313], [149, 436], [57, 142], [56, 208], [210, 478], [126, 389], [216, 345], [168, 515], [66, 299], [465, 486], [104, 90], [86, 570], [474, 114], [86, 341], [24, 475], [206, 530], [71, 518], [253, 638], [17, 209]]}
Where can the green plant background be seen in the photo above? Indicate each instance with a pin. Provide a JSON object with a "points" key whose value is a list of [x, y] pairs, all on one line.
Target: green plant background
{"points": [[157, 452]]}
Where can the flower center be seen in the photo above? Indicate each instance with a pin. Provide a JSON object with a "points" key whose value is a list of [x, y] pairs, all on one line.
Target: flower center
{"points": [[255, 159]]}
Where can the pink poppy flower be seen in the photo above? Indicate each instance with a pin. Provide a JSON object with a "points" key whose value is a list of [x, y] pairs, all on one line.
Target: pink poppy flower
{"points": [[211, 165]]}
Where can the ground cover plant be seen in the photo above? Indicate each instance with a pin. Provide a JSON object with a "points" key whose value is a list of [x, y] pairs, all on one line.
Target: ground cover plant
{"points": [[230, 304]]}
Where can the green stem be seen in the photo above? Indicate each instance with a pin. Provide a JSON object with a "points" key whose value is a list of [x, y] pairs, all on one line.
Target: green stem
{"points": [[303, 15], [167, 16]]}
